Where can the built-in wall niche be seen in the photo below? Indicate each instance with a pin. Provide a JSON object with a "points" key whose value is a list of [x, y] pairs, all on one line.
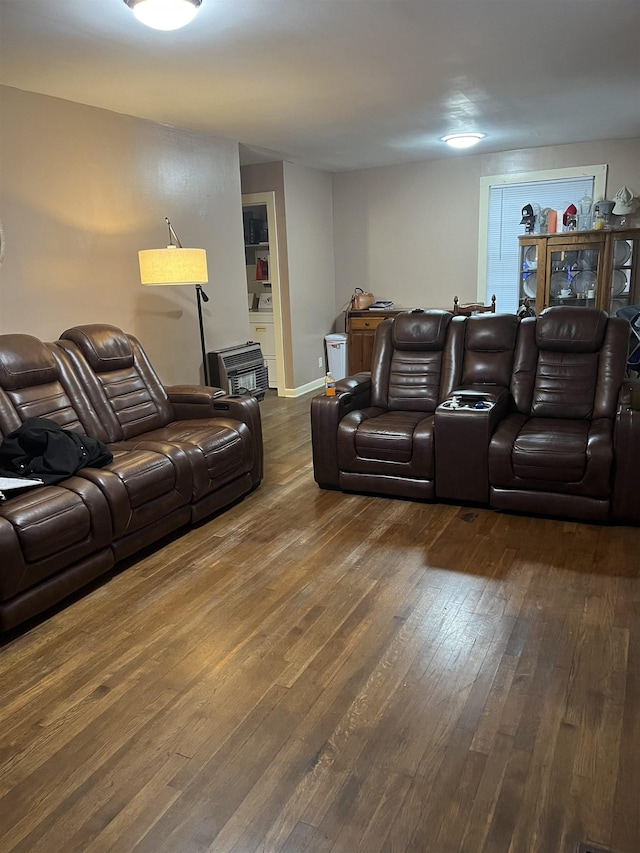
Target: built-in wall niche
{"points": [[256, 248], [263, 282]]}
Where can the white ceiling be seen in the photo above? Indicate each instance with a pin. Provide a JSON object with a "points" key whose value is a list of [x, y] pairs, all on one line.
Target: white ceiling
{"points": [[344, 84]]}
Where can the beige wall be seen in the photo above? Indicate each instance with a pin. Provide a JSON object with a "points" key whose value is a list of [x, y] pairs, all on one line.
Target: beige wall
{"points": [[81, 191], [410, 233], [308, 203]]}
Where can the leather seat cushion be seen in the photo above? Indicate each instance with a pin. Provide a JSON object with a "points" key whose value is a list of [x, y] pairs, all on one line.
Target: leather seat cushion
{"points": [[553, 455], [142, 485], [554, 451], [398, 443], [225, 444], [147, 476], [52, 520]]}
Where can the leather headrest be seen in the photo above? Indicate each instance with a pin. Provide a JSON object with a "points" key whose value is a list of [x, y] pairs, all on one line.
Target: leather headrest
{"points": [[25, 362], [491, 332], [420, 331], [567, 329], [105, 347]]}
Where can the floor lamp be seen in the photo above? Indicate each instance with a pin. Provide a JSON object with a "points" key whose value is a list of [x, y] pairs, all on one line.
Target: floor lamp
{"points": [[177, 266]]}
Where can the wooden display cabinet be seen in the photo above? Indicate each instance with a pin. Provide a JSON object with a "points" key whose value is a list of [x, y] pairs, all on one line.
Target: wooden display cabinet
{"points": [[597, 269], [361, 332]]}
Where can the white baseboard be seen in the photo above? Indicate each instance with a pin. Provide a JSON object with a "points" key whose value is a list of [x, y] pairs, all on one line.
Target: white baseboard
{"points": [[304, 389]]}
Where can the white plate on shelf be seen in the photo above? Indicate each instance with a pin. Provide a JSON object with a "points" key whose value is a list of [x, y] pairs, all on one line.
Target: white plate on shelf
{"points": [[559, 281], [584, 281], [529, 285], [621, 253], [531, 255], [618, 282]]}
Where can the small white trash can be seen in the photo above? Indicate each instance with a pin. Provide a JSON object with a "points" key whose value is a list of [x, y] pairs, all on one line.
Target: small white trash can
{"points": [[336, 355]]}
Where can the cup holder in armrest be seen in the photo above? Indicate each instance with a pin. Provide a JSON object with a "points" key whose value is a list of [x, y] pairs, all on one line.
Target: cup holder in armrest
{"points": [[468, 400]]}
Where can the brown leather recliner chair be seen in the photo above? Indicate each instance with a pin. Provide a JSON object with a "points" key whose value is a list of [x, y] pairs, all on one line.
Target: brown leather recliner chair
{"points": [[376, 435], [555, 453], [218, 436]]}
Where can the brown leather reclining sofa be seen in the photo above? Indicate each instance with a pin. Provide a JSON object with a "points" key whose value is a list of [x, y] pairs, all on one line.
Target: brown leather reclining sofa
{"points": [[531, 415], [179, 455]]}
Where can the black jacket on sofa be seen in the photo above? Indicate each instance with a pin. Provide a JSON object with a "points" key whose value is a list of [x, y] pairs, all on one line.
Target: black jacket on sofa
{"points": [[42, 448]]}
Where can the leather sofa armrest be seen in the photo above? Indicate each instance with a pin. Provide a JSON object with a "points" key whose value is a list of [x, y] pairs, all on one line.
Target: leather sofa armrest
{"points": [[358, 387], [626, 450], [352, 393], [13, 565], [624, 396], [191, 402]]}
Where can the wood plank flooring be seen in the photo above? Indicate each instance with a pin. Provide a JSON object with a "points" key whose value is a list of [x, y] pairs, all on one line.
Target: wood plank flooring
{"points": [[313, 671]]}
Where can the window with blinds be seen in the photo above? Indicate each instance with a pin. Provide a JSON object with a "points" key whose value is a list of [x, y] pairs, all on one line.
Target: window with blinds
{"points": [[505, 205]]}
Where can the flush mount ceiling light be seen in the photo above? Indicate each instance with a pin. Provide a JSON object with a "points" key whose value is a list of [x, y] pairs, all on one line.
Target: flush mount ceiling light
{"points": [[462, 140], [164, 14]]}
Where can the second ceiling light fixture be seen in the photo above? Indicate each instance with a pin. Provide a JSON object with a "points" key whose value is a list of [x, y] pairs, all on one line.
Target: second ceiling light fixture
{"points": [[164, 14]]}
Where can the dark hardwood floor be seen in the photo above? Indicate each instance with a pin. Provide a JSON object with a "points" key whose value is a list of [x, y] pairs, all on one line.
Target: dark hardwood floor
{"points": [[314, 671]]}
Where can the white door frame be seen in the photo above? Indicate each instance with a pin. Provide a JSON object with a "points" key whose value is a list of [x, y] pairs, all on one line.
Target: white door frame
{"points": [[269, 200]]}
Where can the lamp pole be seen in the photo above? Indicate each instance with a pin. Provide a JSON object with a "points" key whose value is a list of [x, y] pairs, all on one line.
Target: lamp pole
{"points": [[202, 297]]}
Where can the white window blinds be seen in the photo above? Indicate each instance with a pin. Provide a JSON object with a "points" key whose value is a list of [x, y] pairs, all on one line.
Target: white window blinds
{"points": [[505, 212]]}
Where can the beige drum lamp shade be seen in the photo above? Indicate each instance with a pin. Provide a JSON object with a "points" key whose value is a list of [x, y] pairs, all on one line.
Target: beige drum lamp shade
{"points": [[173, 265]]}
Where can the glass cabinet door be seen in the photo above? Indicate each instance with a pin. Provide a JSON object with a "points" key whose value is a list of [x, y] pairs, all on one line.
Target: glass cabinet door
{"points": [[623, 263], [573, 275], [528, 276]]}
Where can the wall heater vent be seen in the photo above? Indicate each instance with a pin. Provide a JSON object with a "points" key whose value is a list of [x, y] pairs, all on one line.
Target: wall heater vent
{"points": [[239, 370]]}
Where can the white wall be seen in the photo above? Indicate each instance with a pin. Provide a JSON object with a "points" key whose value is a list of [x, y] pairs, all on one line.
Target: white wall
{"points": [[81, 191], [410, 233], [309, 219]]}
